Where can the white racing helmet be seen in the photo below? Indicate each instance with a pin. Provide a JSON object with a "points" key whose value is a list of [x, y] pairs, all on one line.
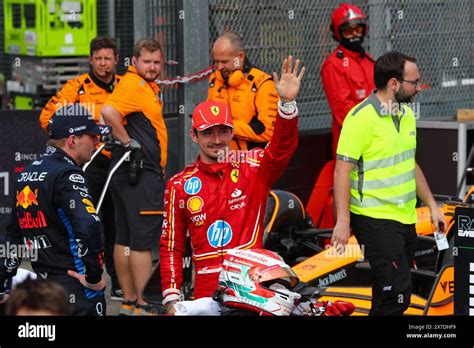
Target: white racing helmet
{"points": [[259, 281]]}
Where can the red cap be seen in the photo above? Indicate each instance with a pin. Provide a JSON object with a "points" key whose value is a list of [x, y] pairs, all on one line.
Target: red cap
{"points": [[211, 113]]}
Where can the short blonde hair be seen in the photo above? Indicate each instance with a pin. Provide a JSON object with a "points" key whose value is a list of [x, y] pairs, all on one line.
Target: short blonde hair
{"points": [[149, 44]]}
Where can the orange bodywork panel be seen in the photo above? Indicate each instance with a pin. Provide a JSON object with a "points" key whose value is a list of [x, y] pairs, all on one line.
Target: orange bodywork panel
{"points": [[442, 297], [327, 261], [440, 302], [424, 227], [361, 298]]}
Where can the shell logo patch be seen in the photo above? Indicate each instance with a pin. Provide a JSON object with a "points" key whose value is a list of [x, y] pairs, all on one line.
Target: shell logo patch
{"points": [[195, 204]]}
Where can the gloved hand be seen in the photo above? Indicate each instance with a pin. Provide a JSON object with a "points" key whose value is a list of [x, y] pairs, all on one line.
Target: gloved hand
{"points": [[110, 142], [308, 308], [132, 145], [338, 308]]}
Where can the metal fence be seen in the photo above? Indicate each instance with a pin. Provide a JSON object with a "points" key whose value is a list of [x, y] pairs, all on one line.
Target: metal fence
{"points": [[439, 33], [158, 19], [115, 19]]}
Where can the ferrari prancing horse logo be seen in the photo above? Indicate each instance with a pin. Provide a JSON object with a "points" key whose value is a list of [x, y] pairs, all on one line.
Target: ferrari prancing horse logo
{"points": [[234, 175], [215, 110]]}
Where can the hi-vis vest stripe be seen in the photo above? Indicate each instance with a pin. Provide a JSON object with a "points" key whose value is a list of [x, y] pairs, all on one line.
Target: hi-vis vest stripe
{"points": [[390, 161], [375, 202], [382, 183], [385, 189]]}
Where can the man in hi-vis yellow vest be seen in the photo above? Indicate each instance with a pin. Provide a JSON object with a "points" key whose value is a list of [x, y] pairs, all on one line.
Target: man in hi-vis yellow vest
{"points": [[377, 180]]}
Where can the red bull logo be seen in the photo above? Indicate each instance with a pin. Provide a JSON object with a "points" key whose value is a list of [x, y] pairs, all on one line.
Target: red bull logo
{"points": [[28, 220], [26, 197]]}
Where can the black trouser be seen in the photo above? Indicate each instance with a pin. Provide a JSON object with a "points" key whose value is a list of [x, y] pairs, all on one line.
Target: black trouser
{"points": [[96, 175], [390, 248], [84, 301]]}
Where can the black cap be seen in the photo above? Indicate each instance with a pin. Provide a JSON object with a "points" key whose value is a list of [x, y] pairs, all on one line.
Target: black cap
{"points": [[74, 119]]}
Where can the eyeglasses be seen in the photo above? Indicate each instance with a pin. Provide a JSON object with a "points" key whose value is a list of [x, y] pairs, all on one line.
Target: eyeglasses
{"points": [[414, 83], [359, 30]]}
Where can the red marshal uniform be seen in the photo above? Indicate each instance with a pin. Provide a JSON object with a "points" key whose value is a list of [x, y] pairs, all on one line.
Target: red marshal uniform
{"points": [[348, 73], [348, 78]]}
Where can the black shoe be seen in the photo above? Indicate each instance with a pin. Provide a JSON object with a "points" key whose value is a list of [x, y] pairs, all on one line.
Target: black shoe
{"points": [[116, 294]]}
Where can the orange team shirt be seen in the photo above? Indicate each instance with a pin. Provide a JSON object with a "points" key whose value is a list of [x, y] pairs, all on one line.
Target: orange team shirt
{"points": [[86, 90], [142, 113]]}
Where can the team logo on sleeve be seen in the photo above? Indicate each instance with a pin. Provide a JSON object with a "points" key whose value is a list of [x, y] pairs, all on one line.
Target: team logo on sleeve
{"points": [[89, 206], [195, 204], [77, 178], [219, 234], [192, 186], [81, 248]]}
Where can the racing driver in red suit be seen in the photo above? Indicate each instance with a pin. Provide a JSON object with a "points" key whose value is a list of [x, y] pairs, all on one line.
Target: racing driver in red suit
{"points": [[221, 198]]}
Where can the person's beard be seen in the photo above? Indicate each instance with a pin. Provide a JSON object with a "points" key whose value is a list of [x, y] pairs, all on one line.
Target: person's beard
{"points": [[146, 78], [354, 44], [401, 96]]}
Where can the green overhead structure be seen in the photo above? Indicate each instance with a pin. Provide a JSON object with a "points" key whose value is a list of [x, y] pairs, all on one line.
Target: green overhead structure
{"points": [[49, 28]]}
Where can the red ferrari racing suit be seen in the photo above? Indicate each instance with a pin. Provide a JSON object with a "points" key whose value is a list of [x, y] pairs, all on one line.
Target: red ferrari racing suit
{"points": [[222, 206], [348, 78]]}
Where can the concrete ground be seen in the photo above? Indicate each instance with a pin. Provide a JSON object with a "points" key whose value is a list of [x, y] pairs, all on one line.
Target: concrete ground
{"points": [[113, 307]]}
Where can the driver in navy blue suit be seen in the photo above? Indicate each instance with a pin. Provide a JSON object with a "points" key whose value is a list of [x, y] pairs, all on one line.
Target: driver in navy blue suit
{"points": [[54, 220]]}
